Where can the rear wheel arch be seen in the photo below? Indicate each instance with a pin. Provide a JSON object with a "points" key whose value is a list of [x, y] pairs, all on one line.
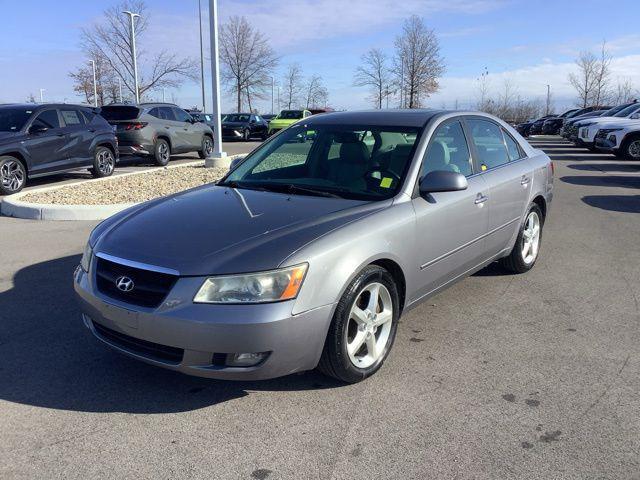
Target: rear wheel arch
{"points": [[166, 139], [542, 204]]}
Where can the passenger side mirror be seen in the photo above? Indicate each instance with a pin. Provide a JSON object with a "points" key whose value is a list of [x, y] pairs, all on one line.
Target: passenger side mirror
{"points": [[235, 162], [635, 116], [36, 129], [442, 181]]}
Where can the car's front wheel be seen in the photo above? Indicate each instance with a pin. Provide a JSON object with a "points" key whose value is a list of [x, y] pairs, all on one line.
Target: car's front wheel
{"points": [[104, 163], [162, 152], [363, 327], [631, 148], [525, 252], [13, 175], [207, 147]]}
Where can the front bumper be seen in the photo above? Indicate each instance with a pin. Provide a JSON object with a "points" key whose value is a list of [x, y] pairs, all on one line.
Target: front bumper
{"points": [[201, 334], [605, 144]]}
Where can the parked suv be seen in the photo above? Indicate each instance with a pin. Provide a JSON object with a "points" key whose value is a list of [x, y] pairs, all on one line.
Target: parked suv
{"points": [[39, 140], [158, 130], [244, 126]]}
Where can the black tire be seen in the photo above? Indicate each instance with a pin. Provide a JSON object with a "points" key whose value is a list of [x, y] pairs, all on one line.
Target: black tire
{"points": [[264, 135], [162, 152], [335, 361], [207, 147], [619, 154], [629, 148], [246, 135], [104, 163], [13, 175], [515, 261]]}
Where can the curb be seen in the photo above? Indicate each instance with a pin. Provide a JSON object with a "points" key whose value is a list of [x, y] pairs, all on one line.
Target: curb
{"points": [[12, 206]]}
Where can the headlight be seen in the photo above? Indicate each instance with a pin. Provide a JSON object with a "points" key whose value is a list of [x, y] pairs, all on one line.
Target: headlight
{"points": [[86, 257], [273, 286]]}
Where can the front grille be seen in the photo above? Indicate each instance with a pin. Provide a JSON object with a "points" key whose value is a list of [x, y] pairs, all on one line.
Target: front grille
{"points": [[153, 351], [150, 288]]}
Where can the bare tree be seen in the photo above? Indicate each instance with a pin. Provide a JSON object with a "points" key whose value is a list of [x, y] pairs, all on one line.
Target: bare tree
{"points": [[248, 60], [106, 83], [108, 41], [31, 98], [584, 81], [292, 85], [418, 63], [624, 92], [316, 93], [602, 91], [374, 73], [483, 90]]}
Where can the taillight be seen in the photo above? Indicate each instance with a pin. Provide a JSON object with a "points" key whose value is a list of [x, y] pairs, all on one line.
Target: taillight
{"points": [[135, 126]]}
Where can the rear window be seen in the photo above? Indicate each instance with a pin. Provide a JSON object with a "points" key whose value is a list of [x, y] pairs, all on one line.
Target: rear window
{"points": [[115, 113]]}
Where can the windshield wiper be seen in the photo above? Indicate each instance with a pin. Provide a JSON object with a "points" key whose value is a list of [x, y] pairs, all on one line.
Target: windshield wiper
{"points": [[321, 193]]}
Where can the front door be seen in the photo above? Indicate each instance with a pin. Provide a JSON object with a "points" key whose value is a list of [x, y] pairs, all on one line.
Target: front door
{"points": [[79, 138], [46, 143], [450, 226], [191, 132]]}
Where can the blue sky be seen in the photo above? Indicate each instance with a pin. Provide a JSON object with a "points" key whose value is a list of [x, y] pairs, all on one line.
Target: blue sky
{"points": [[528, 43]]}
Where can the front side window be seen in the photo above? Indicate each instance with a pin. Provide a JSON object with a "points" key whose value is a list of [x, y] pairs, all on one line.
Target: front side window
{"points": [[47, 119], [13, 119], [181, 115], [329, 160], [448, 150], [71, 117], [489, 142], [236, 117]]}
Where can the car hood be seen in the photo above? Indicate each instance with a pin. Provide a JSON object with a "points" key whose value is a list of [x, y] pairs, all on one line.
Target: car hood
{"points": [[8, 136], [593, 120], [218, 230], [619, 122], [282, 122]]}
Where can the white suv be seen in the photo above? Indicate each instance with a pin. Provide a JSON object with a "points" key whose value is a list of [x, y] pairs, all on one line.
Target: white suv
{"points": [[588, 128], [622, 139]]}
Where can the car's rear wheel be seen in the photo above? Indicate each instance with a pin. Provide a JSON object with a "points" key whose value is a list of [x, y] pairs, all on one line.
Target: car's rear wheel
{"points": [[13, 175], [207, 147], [525, 252], [104, 163], [631, 148], [162, 152], [363, 327]]}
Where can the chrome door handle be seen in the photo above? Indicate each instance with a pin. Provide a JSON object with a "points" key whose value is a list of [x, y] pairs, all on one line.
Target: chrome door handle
{"points": [[524, 181], [480, 199]]}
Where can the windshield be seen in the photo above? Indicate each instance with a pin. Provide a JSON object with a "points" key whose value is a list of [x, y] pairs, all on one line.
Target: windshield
{"points": [[13, 119], [625, 112], [290, 114], [362, 163], [236, 117]]}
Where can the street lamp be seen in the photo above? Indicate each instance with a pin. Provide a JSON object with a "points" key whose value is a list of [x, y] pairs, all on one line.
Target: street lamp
{"points": [[219, 157], [95, 86], [204, 108], [41, 95], [132, 40]]}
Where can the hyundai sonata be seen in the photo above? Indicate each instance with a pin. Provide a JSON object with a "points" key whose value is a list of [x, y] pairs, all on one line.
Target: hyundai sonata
{"points": [[308, 252]]}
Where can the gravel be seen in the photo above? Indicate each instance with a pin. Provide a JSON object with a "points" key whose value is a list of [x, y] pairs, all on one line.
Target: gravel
{"points": [[131, 188]]}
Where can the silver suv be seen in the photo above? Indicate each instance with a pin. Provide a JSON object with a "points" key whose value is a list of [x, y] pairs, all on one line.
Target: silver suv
{"points": [[158, 130]]}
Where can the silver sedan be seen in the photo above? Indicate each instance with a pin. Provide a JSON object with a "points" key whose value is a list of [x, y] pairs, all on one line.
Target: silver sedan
{"points": [[310, 249]]}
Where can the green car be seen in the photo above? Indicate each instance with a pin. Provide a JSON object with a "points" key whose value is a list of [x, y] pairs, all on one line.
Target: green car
{"points": [[286, 118]]}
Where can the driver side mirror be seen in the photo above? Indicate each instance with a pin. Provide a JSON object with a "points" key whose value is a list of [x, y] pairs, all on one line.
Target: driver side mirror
{"points": [[36, 129], [442, 181], [635, 116]]}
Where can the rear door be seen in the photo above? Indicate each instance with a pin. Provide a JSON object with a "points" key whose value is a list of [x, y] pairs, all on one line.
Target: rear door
{"points": [[47, 149], [450, 226], [507, 173], [79, 137]]}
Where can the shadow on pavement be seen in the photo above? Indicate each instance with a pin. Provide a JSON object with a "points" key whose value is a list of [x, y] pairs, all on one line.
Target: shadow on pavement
{"points": [[581, 157], [603, 181], [614, 203], [607, 167], [51, 360]]}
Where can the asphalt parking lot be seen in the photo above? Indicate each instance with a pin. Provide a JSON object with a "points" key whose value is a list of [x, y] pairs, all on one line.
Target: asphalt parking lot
{"points": [[130, 164], [501, 376]]}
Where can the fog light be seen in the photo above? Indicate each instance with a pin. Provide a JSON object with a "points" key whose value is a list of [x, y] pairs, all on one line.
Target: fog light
{"points": [[245, 359]]}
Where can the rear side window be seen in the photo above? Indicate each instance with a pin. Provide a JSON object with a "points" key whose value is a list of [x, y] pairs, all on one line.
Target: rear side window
{"points": [[448, 150], [120, 112], [515, 153], [72, 117], [47, 119], [489, 142], [166, 113]]}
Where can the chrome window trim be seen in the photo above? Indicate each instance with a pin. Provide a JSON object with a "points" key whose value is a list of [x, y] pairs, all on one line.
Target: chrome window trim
{"points": [[134, 264]]}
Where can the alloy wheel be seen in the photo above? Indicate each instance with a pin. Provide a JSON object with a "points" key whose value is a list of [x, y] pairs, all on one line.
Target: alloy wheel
{"points": [[531, 238], [164, 151], [106, 162], [369, 325], [208, 146], [634, 149], [12, 176]]}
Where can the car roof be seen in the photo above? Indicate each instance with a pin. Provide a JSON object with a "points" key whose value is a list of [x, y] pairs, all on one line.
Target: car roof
{"points": [[401, 118], [40, 106]]}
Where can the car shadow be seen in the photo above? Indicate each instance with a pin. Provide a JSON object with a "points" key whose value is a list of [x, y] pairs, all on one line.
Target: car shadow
{"points": [[614, 203], [494, 269], [603, 181], [51, 360], [606, 167], [582, 156]]}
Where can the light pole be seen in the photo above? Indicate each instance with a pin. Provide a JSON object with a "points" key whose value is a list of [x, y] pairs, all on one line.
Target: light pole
{"points": [[219, 157], [273, 83], [204, 109], [132, 40], [42, 95], [95, 86], [548, 98]]}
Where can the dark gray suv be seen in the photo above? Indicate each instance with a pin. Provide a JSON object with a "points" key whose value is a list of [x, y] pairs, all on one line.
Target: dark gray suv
{"points": [[158, 130]]}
